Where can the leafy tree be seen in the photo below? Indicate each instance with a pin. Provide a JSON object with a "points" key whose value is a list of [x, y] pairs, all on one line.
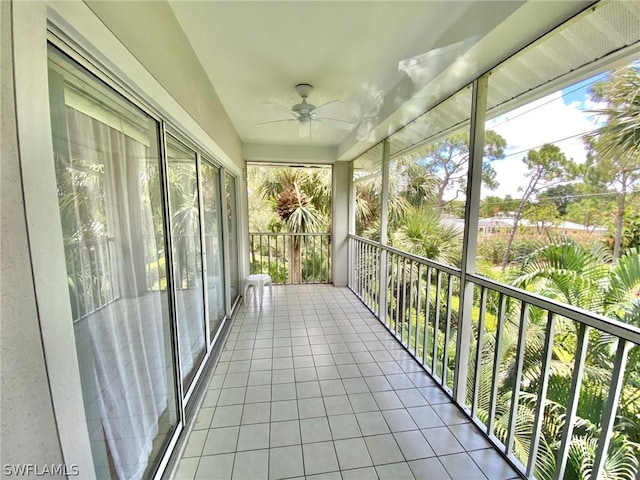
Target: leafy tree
{"points": [[590, 211], [448, 160], [546, 167], [492, 205], [562, 196], [542, 214], [614, 159]]}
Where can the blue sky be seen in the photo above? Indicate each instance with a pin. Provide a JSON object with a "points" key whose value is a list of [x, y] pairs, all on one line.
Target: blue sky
{"points": [[560, 115]]}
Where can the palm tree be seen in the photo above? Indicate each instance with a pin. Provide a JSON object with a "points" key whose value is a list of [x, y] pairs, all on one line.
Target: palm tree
{"points": [[566, 271], [423, 232], [302, 201], [616, 145]]}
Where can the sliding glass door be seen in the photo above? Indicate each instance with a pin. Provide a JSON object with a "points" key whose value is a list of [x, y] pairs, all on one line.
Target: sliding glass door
{"points": [[110, 197], [232, 236], [184, 214], [212, 220], [145, 236]]}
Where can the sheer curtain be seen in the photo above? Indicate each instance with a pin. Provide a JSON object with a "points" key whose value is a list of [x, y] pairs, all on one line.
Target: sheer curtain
{"points": [[110, 193]]}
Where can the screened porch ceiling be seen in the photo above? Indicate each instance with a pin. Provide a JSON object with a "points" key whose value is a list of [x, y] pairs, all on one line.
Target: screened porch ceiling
{"points": [[385, 61]]}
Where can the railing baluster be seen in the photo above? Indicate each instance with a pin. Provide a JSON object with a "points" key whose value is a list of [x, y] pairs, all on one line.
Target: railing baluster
{"points": [[391, 288], [329, 260], [574, 397], [417, 332], [375, 279], [502, 311], [260, 252], [366, 274], [360, 263], [410, 304], [403, 313], [275, 254], [362, 268], [268, 254], [547, 354], [398, 274], [322, 277], [356, 280], [76, 282], [427, 307], [611, 407], [447, 331], [515, 396], [436, 325], [369, 276], [478, 359]]}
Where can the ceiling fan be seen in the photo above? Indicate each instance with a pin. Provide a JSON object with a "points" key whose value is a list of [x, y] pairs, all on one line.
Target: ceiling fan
{"points": [[304, 113]]}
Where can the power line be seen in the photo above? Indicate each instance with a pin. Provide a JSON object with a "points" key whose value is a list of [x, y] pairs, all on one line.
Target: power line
{"points": [[571, 196], [552, 143], [545, 103]]}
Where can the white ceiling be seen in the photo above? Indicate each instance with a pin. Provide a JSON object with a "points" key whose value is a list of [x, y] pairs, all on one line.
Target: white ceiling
{"points": [[386, 61]]}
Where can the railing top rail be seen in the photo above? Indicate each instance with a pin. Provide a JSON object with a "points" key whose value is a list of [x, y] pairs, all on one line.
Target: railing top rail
{"points": [[416, 258], [614, 327], [309, 234], [90, 241], [620, 329]]}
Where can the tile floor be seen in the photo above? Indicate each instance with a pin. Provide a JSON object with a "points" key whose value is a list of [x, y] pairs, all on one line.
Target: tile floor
{"points": [[313, 386]]}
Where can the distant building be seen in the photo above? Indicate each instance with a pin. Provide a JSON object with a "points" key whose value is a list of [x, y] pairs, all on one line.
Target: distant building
{"points": [[504, 224]]}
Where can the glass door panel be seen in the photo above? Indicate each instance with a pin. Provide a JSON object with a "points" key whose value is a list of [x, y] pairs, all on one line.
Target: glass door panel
{"points": [[109, 194], [184, 211], [232, 225], [211, 201]]}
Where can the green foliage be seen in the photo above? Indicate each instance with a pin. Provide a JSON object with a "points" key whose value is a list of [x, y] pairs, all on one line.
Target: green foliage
{"points": [[448, 161], [423, 233], [277, 271]]}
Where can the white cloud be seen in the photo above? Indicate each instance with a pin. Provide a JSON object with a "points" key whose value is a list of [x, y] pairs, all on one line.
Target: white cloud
{"points": [[546, 120]]}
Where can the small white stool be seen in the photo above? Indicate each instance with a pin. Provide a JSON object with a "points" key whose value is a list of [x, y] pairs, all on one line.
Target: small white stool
{"points": [[257, 281]]}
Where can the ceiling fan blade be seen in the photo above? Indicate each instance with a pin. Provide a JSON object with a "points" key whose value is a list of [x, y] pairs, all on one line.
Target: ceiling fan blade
{"points": [[335, 122], [329, 104], [281, 108], [304, 130], [275, 121]]}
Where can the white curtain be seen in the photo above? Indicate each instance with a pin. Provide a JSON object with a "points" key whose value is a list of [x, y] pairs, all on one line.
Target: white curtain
{"points": [[127, 341], [187, 260]]}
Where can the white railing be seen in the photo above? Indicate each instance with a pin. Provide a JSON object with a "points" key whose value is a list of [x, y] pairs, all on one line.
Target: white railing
{"points": [[511, 357], [291, 258], [91, 276]]}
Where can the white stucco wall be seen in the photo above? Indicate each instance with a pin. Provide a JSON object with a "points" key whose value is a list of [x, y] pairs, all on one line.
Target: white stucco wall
{"points": [[28, 433], [150, 31]]}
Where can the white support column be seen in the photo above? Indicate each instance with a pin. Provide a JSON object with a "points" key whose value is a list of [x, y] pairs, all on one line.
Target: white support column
{"points": [[342, 180], [470, 238], [384, 222]]}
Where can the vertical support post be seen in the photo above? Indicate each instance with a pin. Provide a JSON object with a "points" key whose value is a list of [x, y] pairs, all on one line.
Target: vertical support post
{"points": [[384, 220], [342, 180], [470, 237]]}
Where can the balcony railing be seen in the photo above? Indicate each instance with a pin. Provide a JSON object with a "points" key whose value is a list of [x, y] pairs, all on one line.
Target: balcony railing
{"points": [[90, 275], [291, 258], [518, 341]]}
